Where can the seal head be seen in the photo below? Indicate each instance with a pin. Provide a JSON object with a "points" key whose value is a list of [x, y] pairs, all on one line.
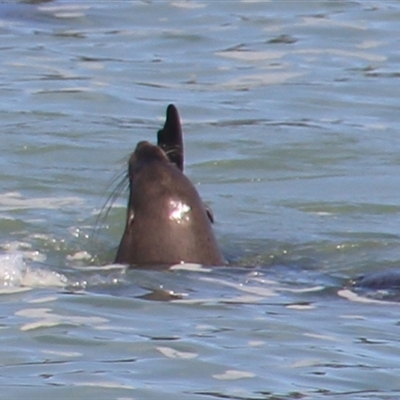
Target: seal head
{"points": [[167, 222]]}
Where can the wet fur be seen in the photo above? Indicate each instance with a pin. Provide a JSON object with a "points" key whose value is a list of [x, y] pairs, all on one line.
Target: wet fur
{"points": [[156, 179]]}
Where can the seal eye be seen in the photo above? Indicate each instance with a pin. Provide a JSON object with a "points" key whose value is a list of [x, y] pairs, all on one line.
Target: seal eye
{"points": [[178, 211]]}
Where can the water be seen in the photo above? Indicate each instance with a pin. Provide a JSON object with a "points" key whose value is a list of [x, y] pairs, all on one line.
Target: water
{"points": [[290, 114]]}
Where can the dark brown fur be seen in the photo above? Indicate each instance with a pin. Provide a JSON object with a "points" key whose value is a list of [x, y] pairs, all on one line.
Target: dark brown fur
{"points": [[167, 222]]}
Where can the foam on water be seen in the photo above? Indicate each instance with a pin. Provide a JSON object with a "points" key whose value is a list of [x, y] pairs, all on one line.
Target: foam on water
{"points": [[15, 273], [18, 274], [66, 11], [16, 201]]}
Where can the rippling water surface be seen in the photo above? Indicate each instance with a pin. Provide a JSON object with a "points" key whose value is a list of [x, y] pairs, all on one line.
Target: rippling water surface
{"points": [[291, 114]]}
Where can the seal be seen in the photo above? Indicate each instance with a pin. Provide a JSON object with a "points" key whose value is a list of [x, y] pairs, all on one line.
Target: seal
{"points": [[380, 280], [167, 222]]}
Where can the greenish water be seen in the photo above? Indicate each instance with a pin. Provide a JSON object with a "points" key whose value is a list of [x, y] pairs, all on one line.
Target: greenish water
{"points": [[290, 114]]}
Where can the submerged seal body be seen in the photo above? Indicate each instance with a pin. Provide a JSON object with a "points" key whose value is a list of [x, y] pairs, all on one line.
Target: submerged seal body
{"points": [[167, 222]]}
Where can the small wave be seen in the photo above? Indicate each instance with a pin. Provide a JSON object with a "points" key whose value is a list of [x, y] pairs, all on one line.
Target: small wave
{"points": [[15, 273], [16, 201]]}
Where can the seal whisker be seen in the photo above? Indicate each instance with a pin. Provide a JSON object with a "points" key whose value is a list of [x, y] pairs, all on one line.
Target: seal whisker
{"points": [[174, 150], [123, 179]]}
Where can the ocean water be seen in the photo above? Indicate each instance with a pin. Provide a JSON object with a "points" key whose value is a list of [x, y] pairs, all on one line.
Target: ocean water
{"points": [[290, 111]]}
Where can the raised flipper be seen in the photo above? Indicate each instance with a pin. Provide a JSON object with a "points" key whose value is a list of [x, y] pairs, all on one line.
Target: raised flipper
{"points": [[170, 140], [170, 137]]}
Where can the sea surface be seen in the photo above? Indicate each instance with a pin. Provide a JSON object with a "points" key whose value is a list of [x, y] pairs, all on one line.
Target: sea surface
{"points": [[291, 116]]}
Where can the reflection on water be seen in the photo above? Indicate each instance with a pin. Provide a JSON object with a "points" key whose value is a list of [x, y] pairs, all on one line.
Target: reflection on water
{"points": [[290, 112]]}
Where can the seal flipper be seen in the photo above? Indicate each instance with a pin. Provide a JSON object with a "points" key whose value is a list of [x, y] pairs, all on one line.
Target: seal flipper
{"points": [[170, 137], [170, 140]]}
